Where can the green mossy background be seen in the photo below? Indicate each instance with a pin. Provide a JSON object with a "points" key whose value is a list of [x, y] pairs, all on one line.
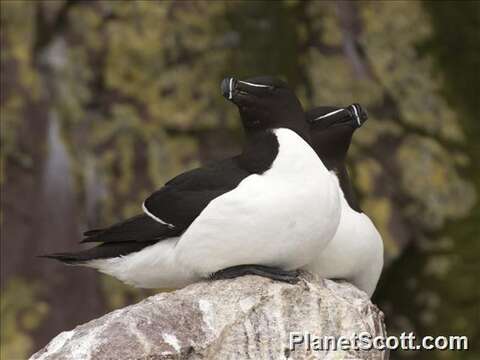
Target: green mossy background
{"points": [[102, 102]]}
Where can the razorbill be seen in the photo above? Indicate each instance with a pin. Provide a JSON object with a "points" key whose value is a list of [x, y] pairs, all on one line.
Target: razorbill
{"points": [[356, 252], [267, 211]]}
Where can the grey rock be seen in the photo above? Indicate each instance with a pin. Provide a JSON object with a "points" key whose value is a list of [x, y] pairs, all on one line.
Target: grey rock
{"points": [[245, 318]]}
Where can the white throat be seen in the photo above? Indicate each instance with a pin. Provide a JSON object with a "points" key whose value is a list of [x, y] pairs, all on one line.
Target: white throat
{"points": [[294, 154]]}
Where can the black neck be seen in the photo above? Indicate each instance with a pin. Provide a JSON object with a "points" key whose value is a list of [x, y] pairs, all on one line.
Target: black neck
{"points": [[345, 184], [301, 127], [293, 119], [259, 151]]}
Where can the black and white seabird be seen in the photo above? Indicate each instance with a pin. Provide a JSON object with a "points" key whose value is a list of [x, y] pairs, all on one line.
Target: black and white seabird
{"points": [[268, 211], [356, 252]]}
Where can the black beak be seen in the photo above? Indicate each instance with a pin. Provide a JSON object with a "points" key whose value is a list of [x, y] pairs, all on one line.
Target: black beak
{"points": [[228, 86], [353, 115]]}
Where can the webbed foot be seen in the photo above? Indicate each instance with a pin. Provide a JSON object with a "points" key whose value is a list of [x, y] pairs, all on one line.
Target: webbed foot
{"points": [[273, 273]]}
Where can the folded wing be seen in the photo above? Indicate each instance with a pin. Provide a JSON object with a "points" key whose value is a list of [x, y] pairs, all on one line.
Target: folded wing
{"points": [[170, 210]]}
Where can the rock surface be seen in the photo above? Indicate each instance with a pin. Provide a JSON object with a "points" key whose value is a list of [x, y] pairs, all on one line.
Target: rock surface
{"points": [[245, 318]]}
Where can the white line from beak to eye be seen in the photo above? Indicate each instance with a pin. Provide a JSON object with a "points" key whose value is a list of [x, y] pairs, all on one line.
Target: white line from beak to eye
{"points": [[329, 114], [357, 117], [230, 89], [252, 84]]}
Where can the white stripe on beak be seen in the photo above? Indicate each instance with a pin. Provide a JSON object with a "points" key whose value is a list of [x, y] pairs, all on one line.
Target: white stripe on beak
{"points": [[329, 114], [252, 84], [230, 89], [357, 117]]}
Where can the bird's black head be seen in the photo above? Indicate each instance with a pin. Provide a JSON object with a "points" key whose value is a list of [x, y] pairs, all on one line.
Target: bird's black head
{"points": [[332, 128], [266, 103]]}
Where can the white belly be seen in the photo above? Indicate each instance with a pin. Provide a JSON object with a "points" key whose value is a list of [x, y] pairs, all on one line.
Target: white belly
{"points": [[280, 218], [355, 253]]}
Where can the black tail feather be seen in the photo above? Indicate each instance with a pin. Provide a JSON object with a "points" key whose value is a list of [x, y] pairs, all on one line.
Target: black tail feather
{"points": [[139, 228], [93, 232], [103, 251], [66, 258]]}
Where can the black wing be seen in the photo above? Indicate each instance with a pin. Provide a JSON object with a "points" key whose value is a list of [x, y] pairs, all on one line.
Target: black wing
{"points": [[184, 197], [170, 210], [173, 208], [178, 203]]}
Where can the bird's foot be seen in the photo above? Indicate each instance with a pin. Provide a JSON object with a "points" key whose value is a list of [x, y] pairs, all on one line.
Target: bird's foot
{"points": [[273, 273]]}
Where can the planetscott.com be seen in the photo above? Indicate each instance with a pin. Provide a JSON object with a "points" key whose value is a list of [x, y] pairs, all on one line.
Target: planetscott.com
{"points": [[365, 341]]}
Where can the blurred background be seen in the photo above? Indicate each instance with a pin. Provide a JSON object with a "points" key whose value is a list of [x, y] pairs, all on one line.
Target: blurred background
{"points": [[103, 101]]}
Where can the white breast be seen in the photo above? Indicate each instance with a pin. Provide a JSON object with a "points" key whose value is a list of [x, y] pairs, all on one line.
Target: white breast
{"points": [[280, 218], [355, 253]]}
